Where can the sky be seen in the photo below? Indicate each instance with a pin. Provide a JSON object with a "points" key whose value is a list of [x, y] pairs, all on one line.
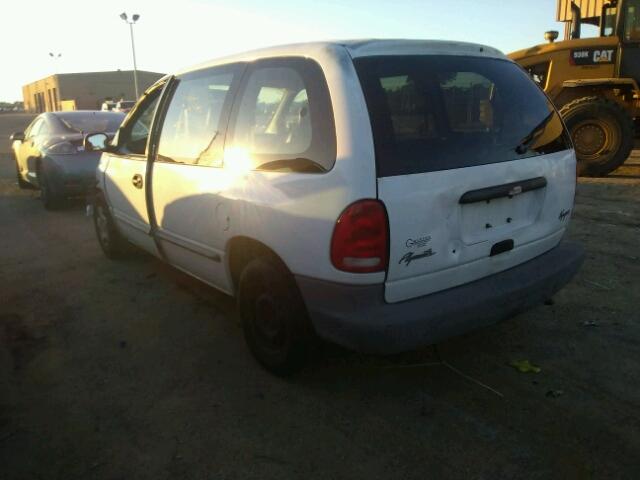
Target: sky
{"points": [[172, 35]]}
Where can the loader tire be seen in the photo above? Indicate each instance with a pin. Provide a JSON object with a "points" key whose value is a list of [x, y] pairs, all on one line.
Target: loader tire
{"points": [[602, 132]]}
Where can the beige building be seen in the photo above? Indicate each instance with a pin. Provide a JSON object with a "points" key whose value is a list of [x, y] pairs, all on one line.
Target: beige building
{"points": [[83, 91]]}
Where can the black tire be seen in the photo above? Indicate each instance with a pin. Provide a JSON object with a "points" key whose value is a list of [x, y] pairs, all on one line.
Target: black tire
{"points": [[22, 184], [111, 242], [602, 132], [274, 318], [50, 199]]}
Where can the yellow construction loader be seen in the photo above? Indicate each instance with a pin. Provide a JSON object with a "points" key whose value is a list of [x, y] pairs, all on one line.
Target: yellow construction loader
{"points": [[593, 81]]}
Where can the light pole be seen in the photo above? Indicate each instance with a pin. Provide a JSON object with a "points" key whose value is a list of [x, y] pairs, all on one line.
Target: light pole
{"points": [[53, 98], [55, 57], [134, 18]]}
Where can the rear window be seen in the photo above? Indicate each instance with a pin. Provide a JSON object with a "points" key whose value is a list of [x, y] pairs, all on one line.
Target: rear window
{"points": [[431, 113], [89, 122]]}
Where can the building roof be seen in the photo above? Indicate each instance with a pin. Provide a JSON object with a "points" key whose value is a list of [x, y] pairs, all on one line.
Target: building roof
{"points": [[109, 71], [87, 74]]}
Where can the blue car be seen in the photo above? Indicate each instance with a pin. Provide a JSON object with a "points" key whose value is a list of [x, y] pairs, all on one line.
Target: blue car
{"points": [[49, 154]]}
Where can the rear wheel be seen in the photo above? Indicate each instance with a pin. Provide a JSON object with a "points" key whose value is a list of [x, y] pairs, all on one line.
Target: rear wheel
{"points": [[602, 133], [112, 243], [50, 199], [274, 318]]}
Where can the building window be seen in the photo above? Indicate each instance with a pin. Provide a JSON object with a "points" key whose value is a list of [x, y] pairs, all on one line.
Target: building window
{"points": [[55, 99]]}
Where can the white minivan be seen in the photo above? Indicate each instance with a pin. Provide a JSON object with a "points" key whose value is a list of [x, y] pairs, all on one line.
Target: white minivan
{"points": [[381, 194]]}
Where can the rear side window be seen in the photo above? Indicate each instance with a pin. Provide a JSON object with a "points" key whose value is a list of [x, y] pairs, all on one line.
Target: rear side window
{"points": [[284, 120], [191, 131], [432, 113]]}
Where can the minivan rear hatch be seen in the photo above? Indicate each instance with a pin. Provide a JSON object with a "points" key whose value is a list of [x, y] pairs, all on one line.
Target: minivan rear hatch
{"points": [[474, 167]]}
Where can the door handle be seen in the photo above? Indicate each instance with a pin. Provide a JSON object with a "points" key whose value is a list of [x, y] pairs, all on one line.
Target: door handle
{"points": [[137, 180]]}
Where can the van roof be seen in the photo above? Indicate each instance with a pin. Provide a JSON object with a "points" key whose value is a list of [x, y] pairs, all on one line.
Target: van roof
{"points": [[371, 47], [361, 48]]}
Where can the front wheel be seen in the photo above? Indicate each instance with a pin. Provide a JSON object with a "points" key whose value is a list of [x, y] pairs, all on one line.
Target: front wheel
{"points": [[111, 242], [22, 184], [602, 133], [274, 318]]}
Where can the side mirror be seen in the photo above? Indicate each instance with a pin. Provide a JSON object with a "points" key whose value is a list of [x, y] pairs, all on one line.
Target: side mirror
{"points": [[95, 142], [17, 137]]}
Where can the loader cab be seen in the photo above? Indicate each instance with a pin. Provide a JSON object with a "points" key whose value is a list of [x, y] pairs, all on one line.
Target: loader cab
{"points": [[628, 28], [622, 19]]}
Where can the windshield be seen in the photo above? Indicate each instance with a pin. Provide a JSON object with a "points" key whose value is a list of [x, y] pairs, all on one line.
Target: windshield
{"points": [[433, 113], [126, 104], [85, 122]]}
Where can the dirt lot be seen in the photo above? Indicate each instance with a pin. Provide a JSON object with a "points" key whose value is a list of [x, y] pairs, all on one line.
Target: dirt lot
{"points": [[131, 370]]}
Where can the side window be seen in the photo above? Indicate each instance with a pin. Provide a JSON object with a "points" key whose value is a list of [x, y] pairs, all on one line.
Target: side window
{"points": [[284, 120], [632, 21], [132, 137], [191, 131], [44, 128], [35, 127]]}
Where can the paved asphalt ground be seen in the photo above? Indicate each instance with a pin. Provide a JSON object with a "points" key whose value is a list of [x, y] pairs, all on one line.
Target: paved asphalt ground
{"points": [[130, 370]]}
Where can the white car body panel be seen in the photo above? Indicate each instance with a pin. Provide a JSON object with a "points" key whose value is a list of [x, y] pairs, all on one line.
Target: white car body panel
{"points": [[292, 213], [455, 238], [200, 210], [128, 204]]}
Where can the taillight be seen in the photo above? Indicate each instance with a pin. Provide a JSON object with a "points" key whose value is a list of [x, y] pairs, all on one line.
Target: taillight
{"points": [[360, 238]]}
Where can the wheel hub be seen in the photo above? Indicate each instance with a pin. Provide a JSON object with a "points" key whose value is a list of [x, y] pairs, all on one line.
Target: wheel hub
{"points": [[268, 323], [590, 139]]}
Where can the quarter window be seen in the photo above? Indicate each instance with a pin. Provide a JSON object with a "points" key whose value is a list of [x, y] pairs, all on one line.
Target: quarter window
{"points": [[284, 120], [191, 131]]}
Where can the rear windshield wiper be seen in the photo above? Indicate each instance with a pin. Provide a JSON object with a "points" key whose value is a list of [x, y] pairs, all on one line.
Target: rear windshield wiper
{"points": [[299, 164], [527, 141]]}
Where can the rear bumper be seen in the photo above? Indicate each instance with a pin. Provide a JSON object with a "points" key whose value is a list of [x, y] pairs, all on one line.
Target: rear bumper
{"points": [[71, 187], [357, 317], [72, 175], [77, 188]]}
